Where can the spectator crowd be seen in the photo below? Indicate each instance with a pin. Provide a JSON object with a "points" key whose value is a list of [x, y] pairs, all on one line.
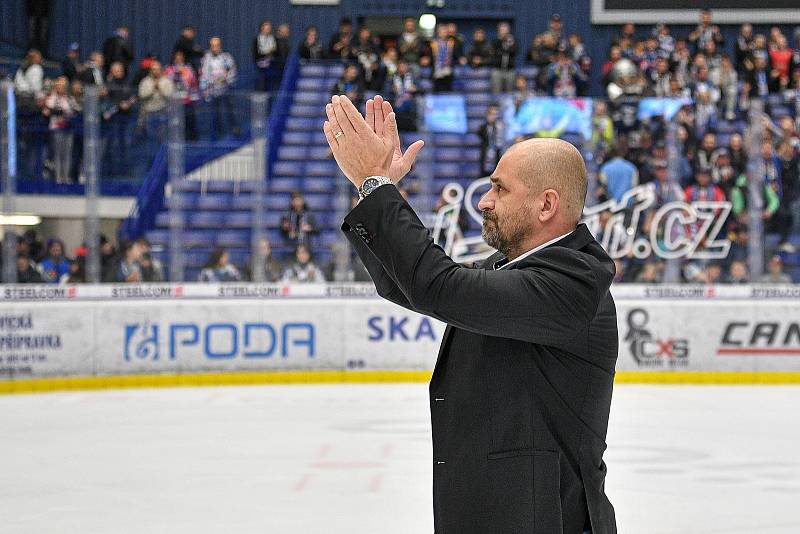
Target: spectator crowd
{"points": [[721, 83]]}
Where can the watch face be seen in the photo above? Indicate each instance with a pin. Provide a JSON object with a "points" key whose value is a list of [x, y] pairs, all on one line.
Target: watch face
{"points": [[370, 185]]}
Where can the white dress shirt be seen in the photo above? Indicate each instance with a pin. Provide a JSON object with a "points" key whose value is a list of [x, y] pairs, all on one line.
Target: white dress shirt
{"points": [[499, 264]]}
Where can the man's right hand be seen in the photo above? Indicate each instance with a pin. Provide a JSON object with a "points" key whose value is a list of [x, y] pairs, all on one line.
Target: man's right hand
{"points": [[377, 110]]}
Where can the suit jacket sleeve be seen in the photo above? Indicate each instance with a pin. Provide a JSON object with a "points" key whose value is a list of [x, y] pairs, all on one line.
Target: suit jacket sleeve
{"points": [[384, 285], [549, 301]]}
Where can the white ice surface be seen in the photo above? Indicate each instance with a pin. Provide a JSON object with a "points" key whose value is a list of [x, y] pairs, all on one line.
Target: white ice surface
{"points": [[357, 459]]}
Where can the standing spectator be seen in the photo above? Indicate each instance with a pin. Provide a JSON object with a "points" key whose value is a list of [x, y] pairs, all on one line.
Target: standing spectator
{"points": [[442, 50], [118, 48], [760, 80], [575, 47], [666, 42], [341, 46], [272, 267], [218, 269], [723, 173], [144, 68], [480, 53], [29, 81], [563, 76], [492, 135], [727, 80], [154, 93], [350, 84], [92, 73], [128, 268], [192, 52], [217, 76], [366, 54], [504, 49], [38, 13], [118, 102], [184, 78], [26, 272], [744, 45], [783, 220], [738, 155], [71, 64], [282, 41], [617, 176], [410, 44], [402, 87], [703, 190], [54, 265], [59, 107], [780, 56], [555, 30], [303, 269], [310, 47], [705, 32], [660, 76], [298, 224], [522, 91], [265, 50], [775, 274], [458, 43]]}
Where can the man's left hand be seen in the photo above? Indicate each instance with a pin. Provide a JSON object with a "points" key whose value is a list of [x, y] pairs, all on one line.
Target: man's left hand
{"points": [[359, 152]]}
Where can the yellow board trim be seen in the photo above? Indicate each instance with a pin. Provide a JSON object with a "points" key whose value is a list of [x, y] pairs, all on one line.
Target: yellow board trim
{"points": [[39, 385]]}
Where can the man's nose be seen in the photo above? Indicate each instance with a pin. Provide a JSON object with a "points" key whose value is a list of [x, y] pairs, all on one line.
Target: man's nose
{"points": [[486, 203]]}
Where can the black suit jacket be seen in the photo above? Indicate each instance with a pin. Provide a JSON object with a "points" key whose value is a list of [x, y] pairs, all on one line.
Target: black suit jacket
{"points": [[521, 391]]}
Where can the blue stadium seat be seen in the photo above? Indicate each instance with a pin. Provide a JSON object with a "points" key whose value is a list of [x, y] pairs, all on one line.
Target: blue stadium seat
{"points": [[310, 70], [476, 85], [317, 201], [310, 98], [215, 201], [296, 138], [239, 219], [319, 185], [284, 184], [447, 170], [473, 125], [301, 124], [478, 99], [303, 110], [335, 70], [477, 111], [530, 72], [232, 238], [320, 168], [288, 168], [158, 237], [206, 219], [272, 219], [319, 153], [309, 84], [471, 154], [448, 154], [317, 136], [293, 152]]}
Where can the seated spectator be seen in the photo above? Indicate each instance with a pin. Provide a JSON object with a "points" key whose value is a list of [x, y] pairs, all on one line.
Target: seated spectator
{"points": [[350, 84], [504, 51], [310, 48], [116, 106], [128, 268], [77, 272], [303, 269], [492, 135], [299, 224], [649, 274], [218, 269], [775, 274], [272, 269], [26, 272], [152, 269], [341, 44], [480, 53], [723, 173], [542, 50], [217, 78], [55, 264], [184, 79], [402, 88], [71, 64], [59, 107], [29, 81], [563, 76], [738, 273]]}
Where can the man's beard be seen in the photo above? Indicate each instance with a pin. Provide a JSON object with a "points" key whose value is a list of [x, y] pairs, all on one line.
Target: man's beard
{"points": [[508, 236]]}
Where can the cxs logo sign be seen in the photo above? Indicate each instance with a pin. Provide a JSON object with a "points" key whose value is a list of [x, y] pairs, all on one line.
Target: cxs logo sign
{"points": [[651, 351], [760, 338], [153, 342]]}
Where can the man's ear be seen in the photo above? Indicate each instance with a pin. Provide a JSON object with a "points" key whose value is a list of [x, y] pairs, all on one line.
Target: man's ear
{"points": [[550, 204]]}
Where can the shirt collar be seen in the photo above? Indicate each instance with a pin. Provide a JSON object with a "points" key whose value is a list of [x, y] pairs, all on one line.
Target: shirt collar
{"points": [[504, 262]]}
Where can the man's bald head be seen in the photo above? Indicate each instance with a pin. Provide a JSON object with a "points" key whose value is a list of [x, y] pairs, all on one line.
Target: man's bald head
{"points": [[552, 164]]}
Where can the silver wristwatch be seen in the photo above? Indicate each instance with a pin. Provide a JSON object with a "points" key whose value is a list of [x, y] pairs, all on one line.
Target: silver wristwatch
{"points": [[371, 184]]}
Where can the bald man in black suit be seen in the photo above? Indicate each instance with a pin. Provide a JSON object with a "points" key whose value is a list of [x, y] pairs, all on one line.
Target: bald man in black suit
{"points": [[521, 391]]}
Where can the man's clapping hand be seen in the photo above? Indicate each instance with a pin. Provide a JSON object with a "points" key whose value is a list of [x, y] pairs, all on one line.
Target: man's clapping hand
{"points": [[364, 148]]}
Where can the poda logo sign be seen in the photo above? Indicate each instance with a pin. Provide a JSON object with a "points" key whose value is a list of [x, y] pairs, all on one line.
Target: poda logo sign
{"points": [[768, 338], [651, 351], [143, 341]]}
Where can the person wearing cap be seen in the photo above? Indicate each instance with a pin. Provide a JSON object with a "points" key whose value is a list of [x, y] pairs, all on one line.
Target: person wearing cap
{"points": [[775, 274], [71, 64], [556, 29]]}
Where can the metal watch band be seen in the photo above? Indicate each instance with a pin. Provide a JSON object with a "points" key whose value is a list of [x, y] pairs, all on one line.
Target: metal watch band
{"points": [[381, 180]]}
